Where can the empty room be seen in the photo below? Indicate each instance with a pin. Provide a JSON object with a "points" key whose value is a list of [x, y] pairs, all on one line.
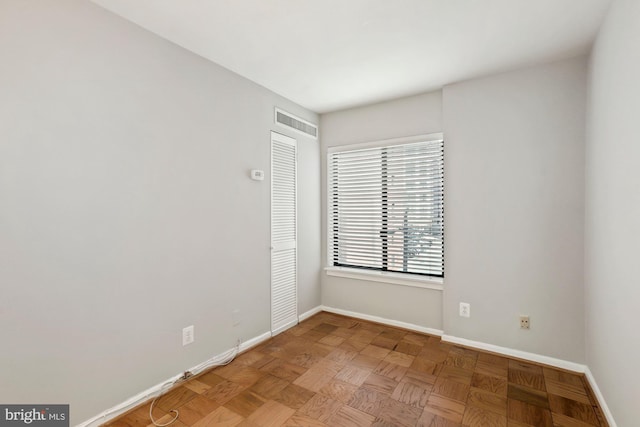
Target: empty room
{"points": [[319, 213]]}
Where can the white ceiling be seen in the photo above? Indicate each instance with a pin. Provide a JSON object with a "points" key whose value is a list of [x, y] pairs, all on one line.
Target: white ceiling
{"points": [[333, 54]]}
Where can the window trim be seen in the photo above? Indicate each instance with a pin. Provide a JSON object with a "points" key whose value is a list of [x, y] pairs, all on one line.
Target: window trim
{"points": [[385, 143], [389, 277], [399, 278]]}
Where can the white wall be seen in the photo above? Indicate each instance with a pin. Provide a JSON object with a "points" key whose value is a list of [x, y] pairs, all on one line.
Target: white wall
{"points": [[309, 217], [514, 200], [409, 116], [127, 211], [613, 212]]}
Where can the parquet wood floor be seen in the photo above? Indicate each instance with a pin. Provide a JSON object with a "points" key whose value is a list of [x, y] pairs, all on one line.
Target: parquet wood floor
{"points": [[337, 371]]}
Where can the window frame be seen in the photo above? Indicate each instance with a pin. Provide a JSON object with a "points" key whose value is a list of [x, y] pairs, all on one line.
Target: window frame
{"points": [[364, 273]]}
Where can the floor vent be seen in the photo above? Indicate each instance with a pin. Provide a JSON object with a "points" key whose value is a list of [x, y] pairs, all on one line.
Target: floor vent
{"points": [[296, 123]]}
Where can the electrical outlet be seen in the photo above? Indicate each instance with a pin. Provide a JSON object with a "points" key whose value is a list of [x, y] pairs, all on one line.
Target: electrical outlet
{"points": [[465, 309], [524, 322], [188, 335]]}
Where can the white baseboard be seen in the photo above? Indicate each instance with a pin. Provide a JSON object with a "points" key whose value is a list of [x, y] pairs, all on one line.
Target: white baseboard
{"points": [[128, 404], [254, 341], [384, 321], [147, 394], [518, 354], [603, 405], [307, 314]]}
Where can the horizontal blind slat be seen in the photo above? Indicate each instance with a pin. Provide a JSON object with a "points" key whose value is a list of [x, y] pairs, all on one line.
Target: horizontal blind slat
{"points": [[387, 208]]}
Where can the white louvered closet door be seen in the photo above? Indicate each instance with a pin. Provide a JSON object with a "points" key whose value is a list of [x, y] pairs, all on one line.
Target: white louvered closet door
{"points": [[284, 278]]}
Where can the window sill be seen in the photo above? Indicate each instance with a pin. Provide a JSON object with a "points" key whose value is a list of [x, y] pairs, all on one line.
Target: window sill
{"points": [[387, 277]]}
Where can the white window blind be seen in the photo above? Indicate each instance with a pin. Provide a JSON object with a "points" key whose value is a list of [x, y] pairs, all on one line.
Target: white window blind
{"points": [[387, 208]]}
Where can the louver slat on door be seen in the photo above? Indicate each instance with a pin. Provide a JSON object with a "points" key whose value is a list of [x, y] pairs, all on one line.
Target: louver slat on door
{"points": [[283, 234]]}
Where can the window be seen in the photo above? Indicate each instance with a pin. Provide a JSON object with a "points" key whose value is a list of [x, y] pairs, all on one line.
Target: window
{"points": [[386, 206]]}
